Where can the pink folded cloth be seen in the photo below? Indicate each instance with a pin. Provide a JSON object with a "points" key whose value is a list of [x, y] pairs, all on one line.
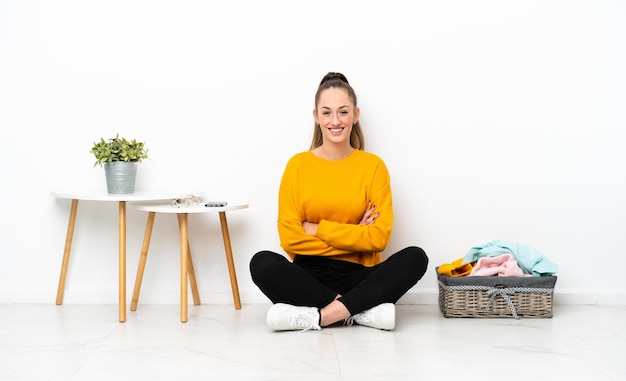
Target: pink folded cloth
{"points": [[501, 265]]}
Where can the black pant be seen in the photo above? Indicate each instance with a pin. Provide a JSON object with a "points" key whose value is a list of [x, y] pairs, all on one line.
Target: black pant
{"points": [[315, 281]]}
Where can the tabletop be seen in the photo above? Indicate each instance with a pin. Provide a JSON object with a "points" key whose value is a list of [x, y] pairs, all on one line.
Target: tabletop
{"points": [[94, 195], [194, 208]]}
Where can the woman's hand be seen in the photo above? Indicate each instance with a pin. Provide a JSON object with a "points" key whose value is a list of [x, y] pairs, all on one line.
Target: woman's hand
{"points": [[369, 217], [309, 227]]}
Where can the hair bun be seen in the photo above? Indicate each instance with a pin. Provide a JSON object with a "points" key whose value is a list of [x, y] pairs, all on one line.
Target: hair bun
{"points": [[334, 76]]}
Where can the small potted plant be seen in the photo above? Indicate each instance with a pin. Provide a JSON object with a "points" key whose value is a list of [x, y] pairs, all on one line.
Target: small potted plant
{"points": [[120, 157]]}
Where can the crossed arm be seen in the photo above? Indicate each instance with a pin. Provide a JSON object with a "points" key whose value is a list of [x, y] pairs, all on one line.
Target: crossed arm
{"points": [[369, 217]]}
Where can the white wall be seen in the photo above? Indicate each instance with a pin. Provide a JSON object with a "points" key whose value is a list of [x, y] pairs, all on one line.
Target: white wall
{"points": [[497, 119]]}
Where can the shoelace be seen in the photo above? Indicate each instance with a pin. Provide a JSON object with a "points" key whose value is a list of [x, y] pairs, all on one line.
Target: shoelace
{"points": [[305, 321], [362, 316]]}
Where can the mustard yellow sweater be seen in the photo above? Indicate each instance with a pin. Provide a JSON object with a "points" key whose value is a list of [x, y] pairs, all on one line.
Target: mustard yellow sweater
{"points": [[335, 194]]}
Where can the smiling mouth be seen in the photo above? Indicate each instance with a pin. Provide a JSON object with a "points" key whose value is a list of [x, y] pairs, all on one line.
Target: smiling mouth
{"points": [[336, 130]]}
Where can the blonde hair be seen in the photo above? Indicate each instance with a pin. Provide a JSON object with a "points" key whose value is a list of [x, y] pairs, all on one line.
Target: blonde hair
{"points": [[338, 80]]}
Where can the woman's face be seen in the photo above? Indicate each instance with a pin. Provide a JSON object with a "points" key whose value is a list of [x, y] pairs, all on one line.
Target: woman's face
{"points": [[336, 114]]}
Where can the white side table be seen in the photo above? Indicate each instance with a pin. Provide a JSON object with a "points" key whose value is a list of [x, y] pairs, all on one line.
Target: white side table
{"points": [[121, 199], [186, 265]]}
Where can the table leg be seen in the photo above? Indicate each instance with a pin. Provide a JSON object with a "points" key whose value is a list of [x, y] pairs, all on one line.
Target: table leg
{"points": [[192, 273], [192, 278], [229, 260], [142, 260], [122, 261], [66, 253], [184, 256]]}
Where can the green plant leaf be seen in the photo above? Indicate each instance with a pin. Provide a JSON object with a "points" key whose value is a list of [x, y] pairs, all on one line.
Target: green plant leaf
{"points": [[118, 149]]}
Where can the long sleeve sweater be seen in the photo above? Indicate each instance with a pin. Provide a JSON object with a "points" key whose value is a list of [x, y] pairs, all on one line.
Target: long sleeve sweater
{"points": [[335, 194]]}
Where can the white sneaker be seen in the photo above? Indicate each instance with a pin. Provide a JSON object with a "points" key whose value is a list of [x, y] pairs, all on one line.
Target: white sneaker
{"points": [[285, 317], [383, 316]]}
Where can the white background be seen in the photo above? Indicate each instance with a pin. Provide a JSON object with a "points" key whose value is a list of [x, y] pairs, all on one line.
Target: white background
{"points": [[497, 120]]}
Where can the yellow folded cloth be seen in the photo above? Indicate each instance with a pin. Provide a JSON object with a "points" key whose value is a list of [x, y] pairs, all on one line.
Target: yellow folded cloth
{"points": [[456, 268]]}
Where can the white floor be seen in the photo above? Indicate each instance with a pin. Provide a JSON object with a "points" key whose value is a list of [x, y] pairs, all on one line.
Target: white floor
{"points": [[85, 342]]}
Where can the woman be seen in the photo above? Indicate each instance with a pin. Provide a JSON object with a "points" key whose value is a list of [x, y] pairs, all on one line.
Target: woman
{"points": [[334, 219]]}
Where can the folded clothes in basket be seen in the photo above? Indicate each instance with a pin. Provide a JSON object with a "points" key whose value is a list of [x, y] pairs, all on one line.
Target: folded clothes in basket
{"points": [[497, 279], [529, 259]]}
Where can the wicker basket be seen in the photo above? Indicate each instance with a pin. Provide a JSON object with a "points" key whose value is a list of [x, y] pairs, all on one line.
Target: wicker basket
{"points": [[496, 297]]}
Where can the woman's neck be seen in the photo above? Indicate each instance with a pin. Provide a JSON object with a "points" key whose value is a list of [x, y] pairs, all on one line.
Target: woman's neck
{"points": [[333, 152]]}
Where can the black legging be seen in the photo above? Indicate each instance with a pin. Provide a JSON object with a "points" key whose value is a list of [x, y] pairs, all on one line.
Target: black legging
{"points": [[315, 281]]}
